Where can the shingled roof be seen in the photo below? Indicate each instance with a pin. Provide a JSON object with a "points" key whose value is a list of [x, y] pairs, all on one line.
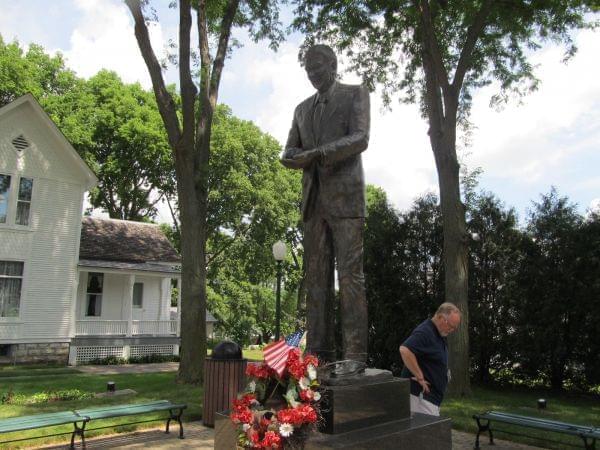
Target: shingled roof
{"points": [[124, 241]]}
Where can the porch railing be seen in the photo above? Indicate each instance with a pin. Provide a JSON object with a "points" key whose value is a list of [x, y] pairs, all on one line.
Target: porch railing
{"points": [[101, 328], [154, 327], [119, 327]]}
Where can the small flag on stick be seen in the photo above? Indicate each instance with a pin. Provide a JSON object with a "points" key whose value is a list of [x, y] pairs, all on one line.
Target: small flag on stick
{"points": [[276, 354]]}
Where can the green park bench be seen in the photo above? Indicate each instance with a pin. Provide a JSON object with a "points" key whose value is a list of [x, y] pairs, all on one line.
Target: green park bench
{"points": [[587, 433], [105, 412], [84, 416], [12, 424]]}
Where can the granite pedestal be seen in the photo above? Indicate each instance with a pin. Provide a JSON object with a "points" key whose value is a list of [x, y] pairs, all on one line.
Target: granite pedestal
{"points": [[371, 414]]}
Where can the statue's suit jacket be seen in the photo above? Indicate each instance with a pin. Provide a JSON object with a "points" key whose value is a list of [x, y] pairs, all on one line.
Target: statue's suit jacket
{"points": [[336, 179]]}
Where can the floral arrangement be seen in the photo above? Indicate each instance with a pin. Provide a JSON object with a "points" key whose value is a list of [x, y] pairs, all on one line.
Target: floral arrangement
{"points": [[278, 410]]}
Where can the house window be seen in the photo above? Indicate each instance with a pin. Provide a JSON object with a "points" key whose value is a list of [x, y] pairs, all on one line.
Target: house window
{"points": [[11, 279], [94, 294], [138, 295], [24, 201], [4, 193]]}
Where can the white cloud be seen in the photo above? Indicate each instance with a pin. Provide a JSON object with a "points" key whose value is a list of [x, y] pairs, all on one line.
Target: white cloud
{"points": [[525, 142], [104, 39]]}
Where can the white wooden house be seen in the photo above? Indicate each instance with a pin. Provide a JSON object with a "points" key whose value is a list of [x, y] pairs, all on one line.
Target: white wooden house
{"points": [[73, 289]]}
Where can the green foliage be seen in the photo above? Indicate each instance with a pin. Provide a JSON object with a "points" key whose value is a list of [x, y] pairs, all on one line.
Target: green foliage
{"points": [[108, 361], [551, 292], [144, 359], [253, 202], [383, 40], [402, 271], [495, 258], [10, 398], [533, 291], [153, 358], [118, 131], [32, 71]]}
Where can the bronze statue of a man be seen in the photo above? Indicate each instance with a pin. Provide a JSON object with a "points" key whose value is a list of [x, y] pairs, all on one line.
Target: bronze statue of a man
{"points": [[329, 131]]}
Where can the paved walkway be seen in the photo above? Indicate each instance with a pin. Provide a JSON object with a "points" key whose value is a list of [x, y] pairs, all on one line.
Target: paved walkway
{"points": [[130, 368], [200, 437]]}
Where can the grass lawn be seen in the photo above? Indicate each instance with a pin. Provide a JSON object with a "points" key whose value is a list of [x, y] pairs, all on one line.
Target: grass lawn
{"points": [[149, 387], [571, 408], [162, 386]]}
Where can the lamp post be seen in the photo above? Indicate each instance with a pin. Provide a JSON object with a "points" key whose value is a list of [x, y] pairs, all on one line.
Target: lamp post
{"points": [[279, 252]]}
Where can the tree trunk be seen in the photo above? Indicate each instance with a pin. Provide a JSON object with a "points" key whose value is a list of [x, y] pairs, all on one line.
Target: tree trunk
{"points": [[455, 252], [193, 286]]}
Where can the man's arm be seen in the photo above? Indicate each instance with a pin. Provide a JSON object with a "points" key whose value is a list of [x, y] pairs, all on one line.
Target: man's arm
{"points": [[357, 140], [410, 361], [293, 147]]}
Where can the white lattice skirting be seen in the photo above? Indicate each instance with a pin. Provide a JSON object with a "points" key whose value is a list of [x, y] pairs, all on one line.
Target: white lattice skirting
{"points": [[85, 354], [143, 350]]}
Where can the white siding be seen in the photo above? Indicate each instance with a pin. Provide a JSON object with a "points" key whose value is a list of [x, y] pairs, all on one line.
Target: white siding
{"points": [[49, 245]]}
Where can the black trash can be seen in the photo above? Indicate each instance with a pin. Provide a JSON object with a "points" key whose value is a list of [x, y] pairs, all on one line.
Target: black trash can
{"points": [[224, 377]]}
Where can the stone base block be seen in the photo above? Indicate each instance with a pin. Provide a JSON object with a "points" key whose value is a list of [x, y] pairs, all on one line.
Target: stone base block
{"points": [[346, 408], [419, 432]]}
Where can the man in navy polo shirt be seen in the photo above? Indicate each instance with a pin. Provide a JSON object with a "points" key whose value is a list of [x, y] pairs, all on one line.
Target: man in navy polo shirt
{"points": [[425, 358]]}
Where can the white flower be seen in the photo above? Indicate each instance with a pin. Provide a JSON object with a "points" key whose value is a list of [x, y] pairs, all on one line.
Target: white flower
{"points": [[317, 396], [312, 372], [304, 383], [286, 429], [246, 427], [252, 386]]}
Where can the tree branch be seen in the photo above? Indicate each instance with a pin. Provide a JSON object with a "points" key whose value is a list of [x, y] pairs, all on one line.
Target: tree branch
{"points": [[219, 62], [204, 53], [188, 90], [214, 256], [473, 34], [175, 221], [166, 105], [431, 43]]}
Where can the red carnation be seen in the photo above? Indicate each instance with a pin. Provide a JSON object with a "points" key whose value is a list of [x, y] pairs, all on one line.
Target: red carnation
{"points": [[307, 395], [258, 370], [311, 359], [271, 440], [242, 416]]}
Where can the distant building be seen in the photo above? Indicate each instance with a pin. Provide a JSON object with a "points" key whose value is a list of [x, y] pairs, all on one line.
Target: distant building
{"points": [[73, 289]]}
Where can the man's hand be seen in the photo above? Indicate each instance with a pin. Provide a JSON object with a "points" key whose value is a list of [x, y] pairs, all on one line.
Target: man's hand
{"points": [[424, 384], [306, 157], [288, 158], [289, 153]]}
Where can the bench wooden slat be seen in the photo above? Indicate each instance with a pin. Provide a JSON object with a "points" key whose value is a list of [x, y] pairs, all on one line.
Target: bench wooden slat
{"points": [[128, 410], [545, 424], [588, 434], [39, 421]]}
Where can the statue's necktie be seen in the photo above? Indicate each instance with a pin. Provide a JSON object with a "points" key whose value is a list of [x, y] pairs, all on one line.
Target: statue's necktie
{"points": [[317, 115]]}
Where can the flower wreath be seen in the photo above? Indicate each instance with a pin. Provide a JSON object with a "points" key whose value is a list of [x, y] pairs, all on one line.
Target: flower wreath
{"points": [[262, 425]]}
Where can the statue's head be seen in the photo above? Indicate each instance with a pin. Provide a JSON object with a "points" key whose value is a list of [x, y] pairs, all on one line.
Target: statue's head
{"points": [[320, 63]]}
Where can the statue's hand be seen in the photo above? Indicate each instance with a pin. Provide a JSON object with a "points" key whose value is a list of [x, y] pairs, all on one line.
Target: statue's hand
{"points": [[291, 152], [306, 157]]}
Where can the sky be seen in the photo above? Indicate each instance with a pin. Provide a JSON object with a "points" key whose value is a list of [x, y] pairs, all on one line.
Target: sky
{"points": [[551, 139]]}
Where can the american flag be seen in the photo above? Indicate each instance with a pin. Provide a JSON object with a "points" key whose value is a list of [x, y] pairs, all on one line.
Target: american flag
{"points": [[276, 354]]}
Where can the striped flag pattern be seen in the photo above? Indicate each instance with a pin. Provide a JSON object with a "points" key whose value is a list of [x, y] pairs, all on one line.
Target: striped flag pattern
{"points": [[276, 354]]}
